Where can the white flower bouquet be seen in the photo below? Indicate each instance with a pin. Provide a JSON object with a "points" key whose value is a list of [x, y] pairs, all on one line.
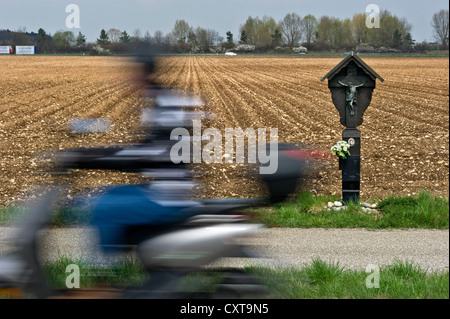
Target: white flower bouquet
{"points": [[341, 149]]}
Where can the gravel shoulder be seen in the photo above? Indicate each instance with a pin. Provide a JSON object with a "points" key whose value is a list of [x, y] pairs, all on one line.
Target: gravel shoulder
{"points": [[281, 247]]}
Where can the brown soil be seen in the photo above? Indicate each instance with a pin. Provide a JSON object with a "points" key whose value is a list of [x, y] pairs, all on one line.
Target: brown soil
{"points": [[405, 134]]}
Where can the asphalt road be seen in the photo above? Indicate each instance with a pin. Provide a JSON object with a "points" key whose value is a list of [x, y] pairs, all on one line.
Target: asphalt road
{"points": [[352, 248]]}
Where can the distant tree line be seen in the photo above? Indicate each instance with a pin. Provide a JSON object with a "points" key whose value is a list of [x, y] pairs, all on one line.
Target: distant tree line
{"points": [[293, 33], [333, 34], [60, 42]]}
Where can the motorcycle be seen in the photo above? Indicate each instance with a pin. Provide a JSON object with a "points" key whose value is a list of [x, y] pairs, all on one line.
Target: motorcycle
{"points": [[190, 235], [172, 234]]}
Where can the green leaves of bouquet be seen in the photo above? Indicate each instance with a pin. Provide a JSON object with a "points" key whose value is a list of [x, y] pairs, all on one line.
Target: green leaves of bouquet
{"points": [[341, 149]]}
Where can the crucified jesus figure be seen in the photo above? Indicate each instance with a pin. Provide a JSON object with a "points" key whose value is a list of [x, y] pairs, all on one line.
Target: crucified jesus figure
{"points": [[350, 97]]}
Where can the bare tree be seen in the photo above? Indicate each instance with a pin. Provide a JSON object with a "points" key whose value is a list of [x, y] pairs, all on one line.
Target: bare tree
{"points": [[114, 35], [158, 37], [440, 26], [206, 38], [267, 27], [324, 30], [181, 30], [248, 31], [359, 28], [192, 38], [136, 35], [309, 26], [291, 28], [147, 37]]}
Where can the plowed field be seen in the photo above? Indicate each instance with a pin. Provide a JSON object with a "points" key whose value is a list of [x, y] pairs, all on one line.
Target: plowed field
{"points": [[405, 134]]}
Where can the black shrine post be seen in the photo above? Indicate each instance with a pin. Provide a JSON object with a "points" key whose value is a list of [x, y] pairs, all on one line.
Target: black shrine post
{"points": [[351, 83]]}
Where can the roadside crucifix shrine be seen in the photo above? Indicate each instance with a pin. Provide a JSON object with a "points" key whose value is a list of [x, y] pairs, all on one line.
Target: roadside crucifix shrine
{"points": [[351, 83]]}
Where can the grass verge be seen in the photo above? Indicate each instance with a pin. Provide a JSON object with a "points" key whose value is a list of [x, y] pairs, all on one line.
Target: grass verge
{"points": [[309, 211], [124, 272], [322, 280], [319, 280]]}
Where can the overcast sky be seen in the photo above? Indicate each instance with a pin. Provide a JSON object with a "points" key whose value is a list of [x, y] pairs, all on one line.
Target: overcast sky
{"points": [[221, 15]]}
